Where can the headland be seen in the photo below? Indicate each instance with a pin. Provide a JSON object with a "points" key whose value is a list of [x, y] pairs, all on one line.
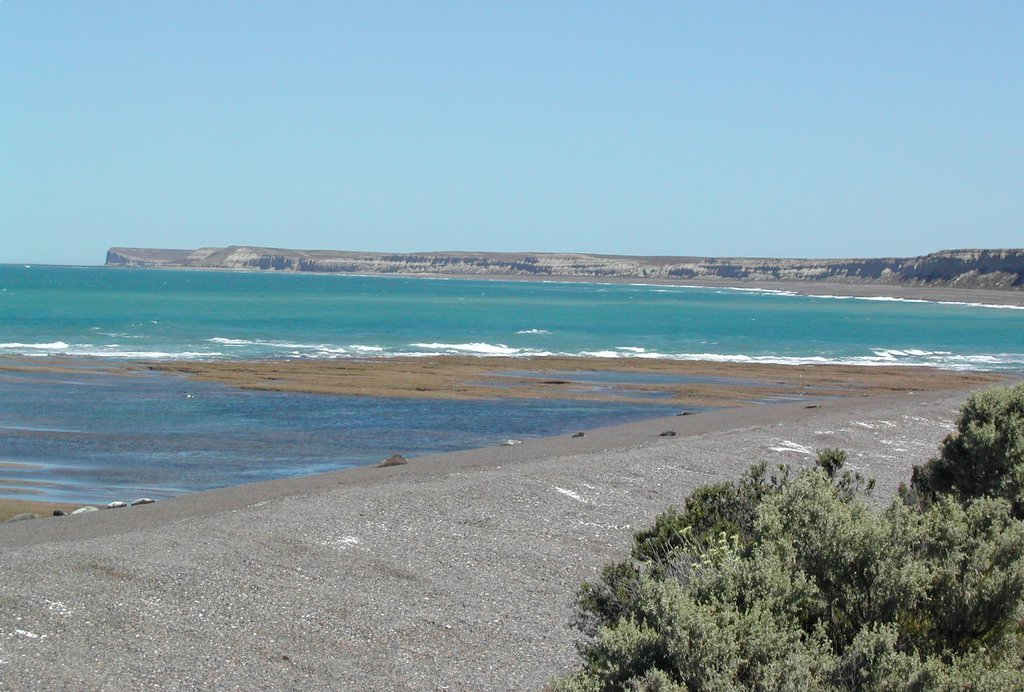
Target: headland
{"points": [[1000, 270]]}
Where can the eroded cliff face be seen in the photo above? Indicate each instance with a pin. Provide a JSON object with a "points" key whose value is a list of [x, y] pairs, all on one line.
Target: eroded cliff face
{"points": [[1003, 269]]}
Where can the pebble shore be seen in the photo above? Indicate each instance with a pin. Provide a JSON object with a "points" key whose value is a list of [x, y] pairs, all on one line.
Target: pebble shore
{"points": [[446, 572]]}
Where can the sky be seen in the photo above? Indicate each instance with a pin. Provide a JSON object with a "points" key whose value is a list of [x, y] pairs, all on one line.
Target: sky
{"points": [[793, 129]]}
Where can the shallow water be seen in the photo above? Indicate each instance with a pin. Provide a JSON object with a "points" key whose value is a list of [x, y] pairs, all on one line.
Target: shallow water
{"points": [[100, 436], [86, 435]]}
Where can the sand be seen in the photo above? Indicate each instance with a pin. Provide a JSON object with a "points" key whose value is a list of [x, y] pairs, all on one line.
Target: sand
{"points": [[450, 572]]}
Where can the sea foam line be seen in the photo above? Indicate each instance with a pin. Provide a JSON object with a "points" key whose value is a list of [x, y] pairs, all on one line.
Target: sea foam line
{"points": [[242, 348]]}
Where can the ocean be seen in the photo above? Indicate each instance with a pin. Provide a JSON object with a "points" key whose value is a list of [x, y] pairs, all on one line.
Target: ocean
{"points": [[90, 435], [125, 313]]}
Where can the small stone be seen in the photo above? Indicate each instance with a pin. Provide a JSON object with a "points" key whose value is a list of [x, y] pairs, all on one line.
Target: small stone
{"points": [[811, 406], [143, 501], [24, 516], [668, 433], [85, 509], [116, 504], [393, 460], [579, 434]]}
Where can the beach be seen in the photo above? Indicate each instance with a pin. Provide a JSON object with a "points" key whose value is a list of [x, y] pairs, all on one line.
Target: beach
{"points": [[449, 572], [453, 571], [343, 346]]}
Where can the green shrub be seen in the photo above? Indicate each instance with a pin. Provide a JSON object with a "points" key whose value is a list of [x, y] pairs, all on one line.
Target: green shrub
{"points": [[983, 457], [790, 581]]}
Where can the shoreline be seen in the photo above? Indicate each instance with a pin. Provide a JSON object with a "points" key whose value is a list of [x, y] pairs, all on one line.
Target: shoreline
{"points": [[595, 441], [694, 387], [825, 289], [981, 297], [450, 568]]}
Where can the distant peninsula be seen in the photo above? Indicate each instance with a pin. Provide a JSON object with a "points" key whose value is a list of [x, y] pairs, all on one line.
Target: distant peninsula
{"points": [[982, 269]]}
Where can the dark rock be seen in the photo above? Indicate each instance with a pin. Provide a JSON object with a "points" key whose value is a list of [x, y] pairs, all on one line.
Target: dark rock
{"points": [[24, 516], [811, 406], [59, 513], [668, 433], [579, 434], [393, 460]]}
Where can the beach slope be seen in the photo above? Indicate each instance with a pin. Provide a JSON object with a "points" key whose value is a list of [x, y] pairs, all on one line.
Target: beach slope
{"points": [[455, 571]]}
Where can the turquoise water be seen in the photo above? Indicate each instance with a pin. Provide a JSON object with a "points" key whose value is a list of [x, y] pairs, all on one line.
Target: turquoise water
{"points": [[88, 435], [124, 313]]}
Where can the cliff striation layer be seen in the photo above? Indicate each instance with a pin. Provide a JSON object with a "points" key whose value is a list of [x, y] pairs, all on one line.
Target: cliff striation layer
{"points": [[991, 269]]}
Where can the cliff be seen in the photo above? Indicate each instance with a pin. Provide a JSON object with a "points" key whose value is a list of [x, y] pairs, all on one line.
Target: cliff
{"points": [[993, 269]]}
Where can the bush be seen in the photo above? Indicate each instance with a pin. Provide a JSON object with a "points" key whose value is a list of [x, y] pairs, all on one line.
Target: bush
{"points": [[983, 457], [789, 581]]}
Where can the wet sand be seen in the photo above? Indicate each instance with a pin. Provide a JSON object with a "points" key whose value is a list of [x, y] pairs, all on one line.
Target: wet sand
{"points": [[453, 571], [686, 383], [10, 507]]}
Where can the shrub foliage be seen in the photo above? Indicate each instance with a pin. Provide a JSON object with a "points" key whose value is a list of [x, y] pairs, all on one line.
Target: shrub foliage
{"points": [[788, 580]]}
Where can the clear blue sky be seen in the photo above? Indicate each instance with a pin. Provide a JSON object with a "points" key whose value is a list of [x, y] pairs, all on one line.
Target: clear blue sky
{"points": [[817, 129]]}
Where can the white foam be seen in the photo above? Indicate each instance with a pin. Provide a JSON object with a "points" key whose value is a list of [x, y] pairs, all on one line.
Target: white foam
{"points": [[661, 288], [533, 331], [231, 342], [359, 348], [111, 352], [52, 346], [328, 351], [893, 299], [479, 348], [764, 291]]}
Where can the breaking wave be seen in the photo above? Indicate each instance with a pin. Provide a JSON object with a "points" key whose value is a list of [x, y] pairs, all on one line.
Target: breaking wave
{"points": [[227, 348]]}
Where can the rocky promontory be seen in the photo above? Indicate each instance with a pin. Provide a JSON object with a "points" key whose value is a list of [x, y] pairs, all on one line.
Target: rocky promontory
{"points": [[990, 269]]}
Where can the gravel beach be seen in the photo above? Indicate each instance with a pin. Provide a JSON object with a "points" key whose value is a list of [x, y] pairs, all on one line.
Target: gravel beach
{"points": [[449, 572]]}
